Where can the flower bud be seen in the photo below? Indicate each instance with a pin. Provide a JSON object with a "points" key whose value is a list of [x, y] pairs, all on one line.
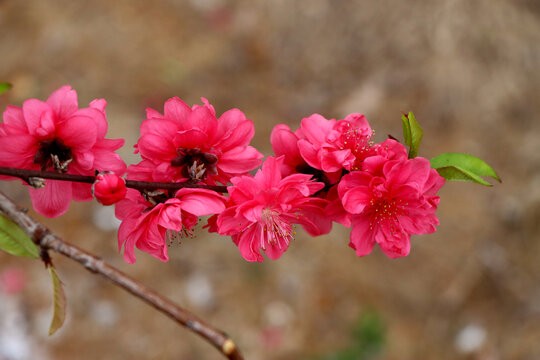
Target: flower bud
{"points": [[109, 188]]}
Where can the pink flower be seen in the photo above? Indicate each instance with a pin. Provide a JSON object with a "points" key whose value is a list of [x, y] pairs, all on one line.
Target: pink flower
{"points": [[262, 209], [109, 188], [331, 145], [381, 153], [58, 136], [324, 148], [147, 222], [191, 144], [388, 207]]}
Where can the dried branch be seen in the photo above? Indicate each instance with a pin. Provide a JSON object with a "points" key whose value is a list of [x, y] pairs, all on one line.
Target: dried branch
{"points": [[47, 240], [26, 175]]}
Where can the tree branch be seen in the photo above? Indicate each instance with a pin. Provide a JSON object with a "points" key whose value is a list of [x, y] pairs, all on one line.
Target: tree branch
{"points": [[26, 174], [47, 240]]}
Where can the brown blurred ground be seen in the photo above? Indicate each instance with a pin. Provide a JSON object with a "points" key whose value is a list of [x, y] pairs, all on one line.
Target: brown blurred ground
{"points": [[469, 71]]}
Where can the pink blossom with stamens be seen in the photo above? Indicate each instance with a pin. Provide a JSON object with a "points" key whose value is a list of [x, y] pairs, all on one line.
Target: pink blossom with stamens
{"points": [[191, 144], [146, 223], [58, 136], [333, 145], [388, 207], [324, 148], [262, 209], [381, 153]]}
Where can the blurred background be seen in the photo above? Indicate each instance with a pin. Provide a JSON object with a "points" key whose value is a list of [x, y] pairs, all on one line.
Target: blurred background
{"points": [[468, 69]]}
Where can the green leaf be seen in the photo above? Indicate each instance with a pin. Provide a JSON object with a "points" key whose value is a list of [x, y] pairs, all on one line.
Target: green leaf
{"points": [[463, 167], [14, 240], [406, 129], [412, 133], [5, 86], [59, 314]]}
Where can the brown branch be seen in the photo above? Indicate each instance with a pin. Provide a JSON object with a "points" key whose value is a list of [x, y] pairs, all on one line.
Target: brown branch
{"points": [[47, 240], [26, 174]]}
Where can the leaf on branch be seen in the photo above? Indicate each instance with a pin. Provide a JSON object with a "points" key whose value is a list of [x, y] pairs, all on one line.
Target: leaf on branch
{"points": [[463, 167], [14, 240], [59, 314], [412, 133], [5, 86]]}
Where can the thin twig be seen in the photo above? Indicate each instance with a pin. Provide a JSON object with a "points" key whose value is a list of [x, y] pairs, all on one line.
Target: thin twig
{"points": [[26, 174], [47, 240]]}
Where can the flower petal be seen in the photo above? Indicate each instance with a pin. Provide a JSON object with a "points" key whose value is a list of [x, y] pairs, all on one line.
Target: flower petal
{"points": [[234, 130], [240, 160], [33, 109], [81, 192], [309, 154], [64, 102], [163, 127], [201, 202], [316, 127], [177, 110], [14, 120], [248, 243], [18, 151], [155, 147], [53, 199], [78, 132], [228, 223], [356, 199], [190, 139], [201, 118], [153, 114], [362, 237], [270, 174], [285, 142], [98, 117]]}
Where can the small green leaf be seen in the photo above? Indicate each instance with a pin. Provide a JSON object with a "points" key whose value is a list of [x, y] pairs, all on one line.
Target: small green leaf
{"points": [[14, 240], [406, 129], [5, 86], [59, 314], [412, 133], [463, 167]]}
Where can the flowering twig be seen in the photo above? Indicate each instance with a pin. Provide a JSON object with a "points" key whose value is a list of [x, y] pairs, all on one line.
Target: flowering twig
{"points": [[48, 241], [26, 175]]}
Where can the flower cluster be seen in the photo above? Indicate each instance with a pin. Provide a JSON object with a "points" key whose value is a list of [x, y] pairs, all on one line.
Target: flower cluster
{"points": [[375, 188], [56, 135], [186, 145], [326, 171]]}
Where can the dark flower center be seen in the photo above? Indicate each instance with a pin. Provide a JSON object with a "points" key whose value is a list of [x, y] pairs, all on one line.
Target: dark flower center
{"points": [[318, 175], [155, 197], [195, 164], [53, 153]]}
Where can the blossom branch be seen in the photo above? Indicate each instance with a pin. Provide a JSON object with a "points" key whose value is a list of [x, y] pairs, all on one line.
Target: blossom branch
{"points": [[26, 175], [48, 241]]}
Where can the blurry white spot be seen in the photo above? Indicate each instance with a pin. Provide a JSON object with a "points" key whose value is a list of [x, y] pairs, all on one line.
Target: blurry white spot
{"points": [[104, 218], [104, 313], [15, 342], [470, 339], [199, 290], [278, 313]]}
